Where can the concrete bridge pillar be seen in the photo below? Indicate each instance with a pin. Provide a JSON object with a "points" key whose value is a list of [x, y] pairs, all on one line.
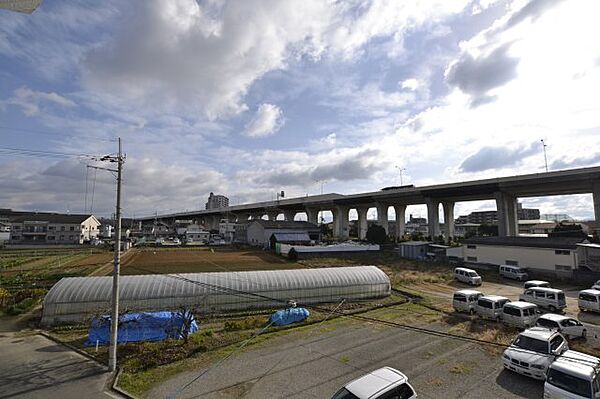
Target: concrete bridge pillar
{"points": [[242, 217], [362, 223], [508, 222], [289, 215], [312, 215], [382, 216], [341, 228], [433, 217], [272, 215], [400, 220], [448, 219], [596, 195]]}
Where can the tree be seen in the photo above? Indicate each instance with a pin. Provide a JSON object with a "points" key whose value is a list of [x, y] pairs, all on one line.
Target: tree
{"points": [[187, 319], [376, 234], [487, 230], [567, 230]]}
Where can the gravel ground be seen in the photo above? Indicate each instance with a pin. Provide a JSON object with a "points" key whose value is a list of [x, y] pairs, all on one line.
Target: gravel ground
{"points": [[294, 366]]}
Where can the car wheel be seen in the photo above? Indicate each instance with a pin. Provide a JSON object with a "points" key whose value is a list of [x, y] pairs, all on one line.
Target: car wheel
{"points": [[552, 308]]}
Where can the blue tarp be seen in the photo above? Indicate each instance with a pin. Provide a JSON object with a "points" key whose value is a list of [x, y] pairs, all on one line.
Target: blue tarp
{"points": [[135, 327], [288, 316]]}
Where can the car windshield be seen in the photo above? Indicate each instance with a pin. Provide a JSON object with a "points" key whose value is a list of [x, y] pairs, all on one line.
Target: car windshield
{"points": [[570, 383], [473, 274], [344, 394], [532, 344], [546, 323]]}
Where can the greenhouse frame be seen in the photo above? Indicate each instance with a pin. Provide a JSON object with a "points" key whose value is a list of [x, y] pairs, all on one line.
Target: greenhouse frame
{"points": [[78, 299]]}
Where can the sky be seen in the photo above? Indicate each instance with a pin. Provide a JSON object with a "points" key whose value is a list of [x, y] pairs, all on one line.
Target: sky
{"points": [[248, 98]]}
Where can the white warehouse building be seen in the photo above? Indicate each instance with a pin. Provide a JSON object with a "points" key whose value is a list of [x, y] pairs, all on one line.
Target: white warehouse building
{"points": [[551, 256]]}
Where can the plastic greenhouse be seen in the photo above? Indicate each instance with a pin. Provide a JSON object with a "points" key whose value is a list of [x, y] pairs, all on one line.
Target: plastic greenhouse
{"points": [[78, 299]]}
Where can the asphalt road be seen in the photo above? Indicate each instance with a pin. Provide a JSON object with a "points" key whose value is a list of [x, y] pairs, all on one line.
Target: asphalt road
{"points": [[36, 367], [316, 365]]}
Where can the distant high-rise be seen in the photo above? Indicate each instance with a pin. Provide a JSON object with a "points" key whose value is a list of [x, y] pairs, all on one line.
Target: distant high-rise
{"points": [[491, 217], [217, 201]]}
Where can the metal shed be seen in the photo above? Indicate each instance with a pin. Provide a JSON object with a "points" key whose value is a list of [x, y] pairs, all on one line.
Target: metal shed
{"points": [[76, 299]]}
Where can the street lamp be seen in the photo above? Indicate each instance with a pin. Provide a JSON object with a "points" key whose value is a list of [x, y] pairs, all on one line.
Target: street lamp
{"points": [[400, 170], [545, 157]]}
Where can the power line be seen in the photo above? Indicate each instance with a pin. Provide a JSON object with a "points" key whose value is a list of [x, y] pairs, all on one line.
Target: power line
{"points": [[41, 153], [441, 334]]}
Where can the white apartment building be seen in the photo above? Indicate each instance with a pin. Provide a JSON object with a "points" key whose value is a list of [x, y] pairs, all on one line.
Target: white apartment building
{"points": [[51, 228]]}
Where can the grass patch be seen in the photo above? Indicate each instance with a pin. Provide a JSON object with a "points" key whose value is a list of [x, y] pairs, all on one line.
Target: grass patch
{"points": [[461, 368], [344, 358]]}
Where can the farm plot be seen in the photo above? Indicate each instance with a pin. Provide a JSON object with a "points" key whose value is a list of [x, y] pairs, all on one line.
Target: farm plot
{"points": [[200, 260]]}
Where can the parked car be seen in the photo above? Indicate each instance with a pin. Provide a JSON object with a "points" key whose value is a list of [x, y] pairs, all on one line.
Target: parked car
{"points": [[382, 383], [513, 272], [468, 276], [549, 298], [490, 307], [465, 300], [536, 283], [567, 326], [573, 375], [589, 300], [533, 350], [519, 314], [596, 285]]}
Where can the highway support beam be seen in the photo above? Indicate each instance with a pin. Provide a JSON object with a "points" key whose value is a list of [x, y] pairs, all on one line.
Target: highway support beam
{"points": [[382, 216], [289, 215], [400, 220], [341, 229], [596, 196], [448, 220], [508, 221], [433, 217], [362, 223], [312, 215]]}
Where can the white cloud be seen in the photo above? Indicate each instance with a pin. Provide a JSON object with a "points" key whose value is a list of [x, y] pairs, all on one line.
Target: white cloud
{"points": [[267, 121], [202, 58], [31, 100], [410, 84]]}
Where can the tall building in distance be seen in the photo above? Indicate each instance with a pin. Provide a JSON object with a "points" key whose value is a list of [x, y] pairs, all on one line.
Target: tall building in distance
{"points": [[217, 201]]}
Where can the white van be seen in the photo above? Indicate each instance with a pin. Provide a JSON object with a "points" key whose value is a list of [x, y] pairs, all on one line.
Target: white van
{"points": [[549, 298], [536, 283], [514, 272], [490, 307], [465, 300], [519, 314], [468, 276], [567, 326], [589, 300], [573, 375]]}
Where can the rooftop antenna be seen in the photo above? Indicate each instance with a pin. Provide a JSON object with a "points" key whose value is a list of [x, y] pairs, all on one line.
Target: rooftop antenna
{"points": [[545, 157]]}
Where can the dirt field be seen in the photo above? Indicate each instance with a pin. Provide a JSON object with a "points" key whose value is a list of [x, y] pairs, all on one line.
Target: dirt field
{"points": [[197, 260]]}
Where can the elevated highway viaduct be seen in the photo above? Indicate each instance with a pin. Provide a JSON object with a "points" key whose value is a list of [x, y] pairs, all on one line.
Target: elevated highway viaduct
{"points": [[504, 190]]}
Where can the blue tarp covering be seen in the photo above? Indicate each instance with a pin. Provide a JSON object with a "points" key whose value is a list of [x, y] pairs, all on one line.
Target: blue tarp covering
{"points": [[135, 327], [288, 316]]}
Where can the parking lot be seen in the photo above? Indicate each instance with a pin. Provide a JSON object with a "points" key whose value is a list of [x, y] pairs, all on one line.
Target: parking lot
{"points": [[315, 364]]}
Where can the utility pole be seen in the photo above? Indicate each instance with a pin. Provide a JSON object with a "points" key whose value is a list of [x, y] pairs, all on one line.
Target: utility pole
{"points": [[545, 158], [112, 352]]}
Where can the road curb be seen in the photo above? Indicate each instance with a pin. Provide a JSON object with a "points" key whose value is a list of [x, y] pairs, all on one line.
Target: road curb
{"points": [[120, 391], [71, 347]]}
